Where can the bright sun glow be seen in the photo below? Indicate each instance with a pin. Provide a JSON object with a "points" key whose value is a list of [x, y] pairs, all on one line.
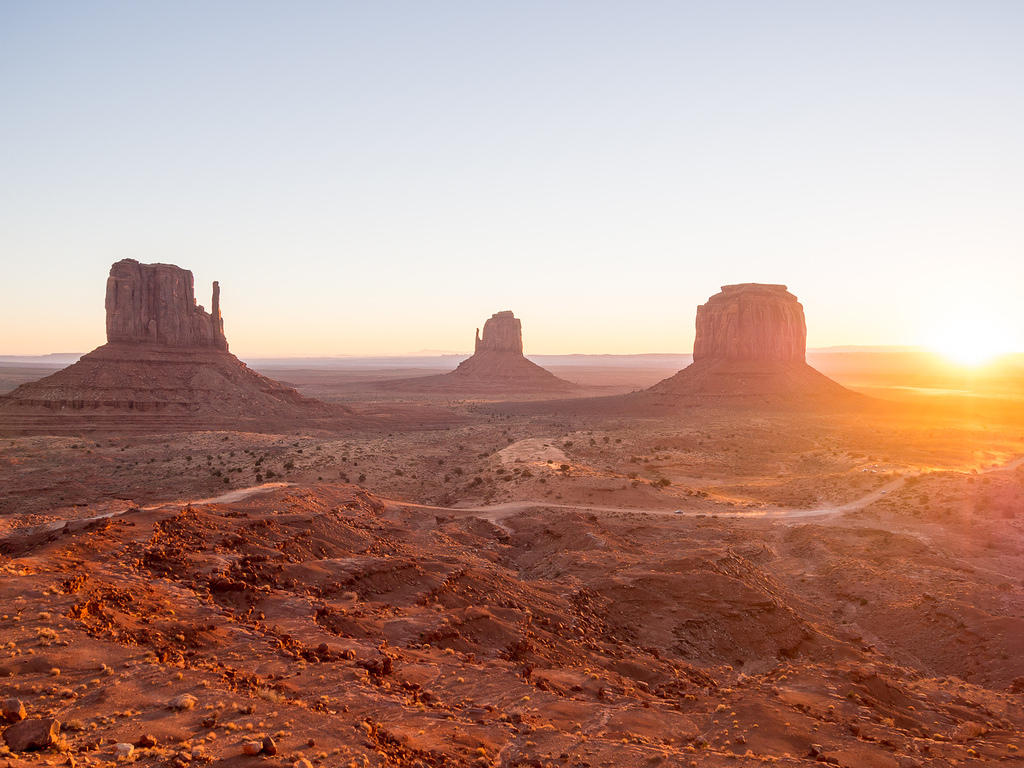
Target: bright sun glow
{"points": [[971, 339]]}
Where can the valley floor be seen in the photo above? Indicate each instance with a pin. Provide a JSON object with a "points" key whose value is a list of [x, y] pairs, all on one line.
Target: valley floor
{"points": [[530, 586]]}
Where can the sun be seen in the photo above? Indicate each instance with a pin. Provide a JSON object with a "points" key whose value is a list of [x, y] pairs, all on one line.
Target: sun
{"points": [[970, 339]]}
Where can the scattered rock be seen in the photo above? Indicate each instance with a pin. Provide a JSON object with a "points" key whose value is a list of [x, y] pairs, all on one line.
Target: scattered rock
{"points": [[269, 746], [29, 735], [124, 751], [14, 710], [147, 741], [968, 730], [183, 702]]}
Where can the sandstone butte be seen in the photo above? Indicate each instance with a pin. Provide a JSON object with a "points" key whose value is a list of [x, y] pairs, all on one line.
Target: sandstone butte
{"points": [[751, 340], [497, 366], [166, 363], [156, 304]]}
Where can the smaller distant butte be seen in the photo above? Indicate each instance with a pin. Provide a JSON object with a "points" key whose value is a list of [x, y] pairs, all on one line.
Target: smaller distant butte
{"points": [[497, 367]]}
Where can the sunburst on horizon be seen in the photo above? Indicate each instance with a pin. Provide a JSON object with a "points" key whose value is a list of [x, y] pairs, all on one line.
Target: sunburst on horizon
{"points": [[971, 339]]}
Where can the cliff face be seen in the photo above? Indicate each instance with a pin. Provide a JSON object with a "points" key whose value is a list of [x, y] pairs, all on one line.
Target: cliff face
{"points": [[503, 332], [751, 322], [751, 343], [155, 304]]}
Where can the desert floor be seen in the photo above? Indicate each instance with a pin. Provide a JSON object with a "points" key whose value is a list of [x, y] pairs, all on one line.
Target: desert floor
{"points": [[580, 583]]}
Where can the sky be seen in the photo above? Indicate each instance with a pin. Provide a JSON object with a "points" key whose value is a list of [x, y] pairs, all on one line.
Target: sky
{"points": [[380, 177]]}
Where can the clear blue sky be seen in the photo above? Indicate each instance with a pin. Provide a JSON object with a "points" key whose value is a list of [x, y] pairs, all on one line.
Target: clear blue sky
{"points": [[379, 177]]}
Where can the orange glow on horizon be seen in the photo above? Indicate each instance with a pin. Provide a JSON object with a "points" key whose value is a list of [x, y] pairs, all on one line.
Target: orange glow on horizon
{"points": [[971, 338]]}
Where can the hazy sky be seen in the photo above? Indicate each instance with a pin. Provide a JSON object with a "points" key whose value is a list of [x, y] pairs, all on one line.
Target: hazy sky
{"points": [[380, 177]]}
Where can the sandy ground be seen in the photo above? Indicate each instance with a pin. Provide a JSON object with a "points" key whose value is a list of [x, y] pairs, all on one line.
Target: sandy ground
{"points": [[530, 585]]}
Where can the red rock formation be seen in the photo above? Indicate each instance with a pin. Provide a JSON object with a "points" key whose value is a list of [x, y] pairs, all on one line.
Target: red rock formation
{"points": [[165, 364], [503, 332], [497, 367], [751, 341], [155, 304], [751, 321]]}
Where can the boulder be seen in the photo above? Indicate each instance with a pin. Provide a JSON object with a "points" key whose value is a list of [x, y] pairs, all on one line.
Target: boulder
{"points": [[124, 751], [183, 702], [33, 734], [14, 710]]}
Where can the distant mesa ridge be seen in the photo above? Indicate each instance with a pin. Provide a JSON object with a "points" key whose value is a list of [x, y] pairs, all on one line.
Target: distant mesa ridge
{"points": [[751, 340], [156, 304]]}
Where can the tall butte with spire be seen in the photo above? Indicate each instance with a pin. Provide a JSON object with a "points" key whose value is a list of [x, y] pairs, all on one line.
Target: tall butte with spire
{"points": [[503, 332], [166, 362], [751, 340], [156, 304]]}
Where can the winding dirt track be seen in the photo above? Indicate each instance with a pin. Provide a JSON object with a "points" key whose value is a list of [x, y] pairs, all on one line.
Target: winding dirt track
{"points": [[225, 498], [236, 495], [495, 513]]}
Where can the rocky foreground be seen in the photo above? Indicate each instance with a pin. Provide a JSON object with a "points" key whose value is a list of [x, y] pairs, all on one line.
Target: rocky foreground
{"points": [[323, 626]]}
